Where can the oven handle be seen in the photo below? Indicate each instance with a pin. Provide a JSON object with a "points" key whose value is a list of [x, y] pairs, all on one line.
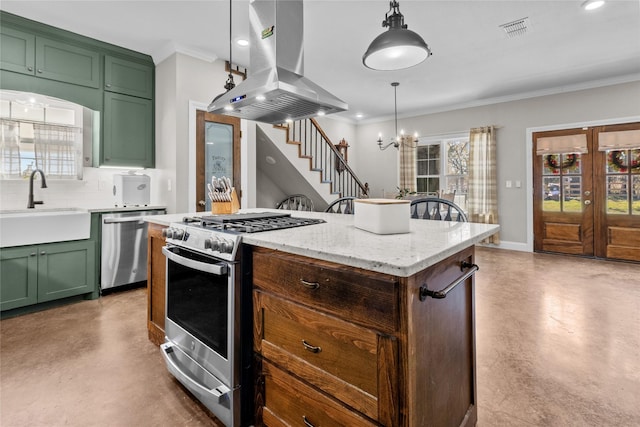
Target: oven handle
{"points": [[219, 269], [218, 392]]}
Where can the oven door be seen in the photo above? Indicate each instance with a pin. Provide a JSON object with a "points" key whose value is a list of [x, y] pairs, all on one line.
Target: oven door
{"points": [[200, 311]]}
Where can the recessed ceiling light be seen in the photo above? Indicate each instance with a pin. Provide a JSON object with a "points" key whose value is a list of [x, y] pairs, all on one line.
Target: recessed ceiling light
{"points": [[228, 108], [260, 98], [592, 4], [321, 113], [359, 116], [242, 42]]}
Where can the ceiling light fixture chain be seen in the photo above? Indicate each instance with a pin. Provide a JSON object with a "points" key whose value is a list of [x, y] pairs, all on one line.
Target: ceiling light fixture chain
{"points": [[230, 84]]}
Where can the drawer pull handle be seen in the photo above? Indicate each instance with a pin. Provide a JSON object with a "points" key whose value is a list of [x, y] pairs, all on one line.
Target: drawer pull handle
{"points": [[424, 292], [310, 285], [311, 348], [306, 422]]}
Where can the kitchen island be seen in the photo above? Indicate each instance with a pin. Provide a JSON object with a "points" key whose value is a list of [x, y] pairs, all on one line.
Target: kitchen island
{"points": [[354, 328]]}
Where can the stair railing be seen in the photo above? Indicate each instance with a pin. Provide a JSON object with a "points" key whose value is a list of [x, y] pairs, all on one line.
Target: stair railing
{"points": [[325, 158]]}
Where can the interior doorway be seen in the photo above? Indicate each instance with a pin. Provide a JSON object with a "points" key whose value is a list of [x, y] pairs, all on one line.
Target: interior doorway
{"points": [[586, 192], [217, 154]]}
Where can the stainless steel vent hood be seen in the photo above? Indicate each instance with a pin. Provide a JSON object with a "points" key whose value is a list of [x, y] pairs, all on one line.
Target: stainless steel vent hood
{"points": [[276, 90]]}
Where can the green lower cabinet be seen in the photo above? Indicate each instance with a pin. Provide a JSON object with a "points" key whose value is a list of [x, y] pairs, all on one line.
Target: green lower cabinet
{"points": [[65, 269], [18, 277], [47, 272]]}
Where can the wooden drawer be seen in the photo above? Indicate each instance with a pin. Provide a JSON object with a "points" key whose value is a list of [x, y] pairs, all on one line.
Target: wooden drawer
{"points": [[364, 297], [289, 402], [351, 363]]}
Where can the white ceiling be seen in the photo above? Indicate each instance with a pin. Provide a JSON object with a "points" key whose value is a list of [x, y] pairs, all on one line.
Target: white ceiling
{"points": [[473, 61]]}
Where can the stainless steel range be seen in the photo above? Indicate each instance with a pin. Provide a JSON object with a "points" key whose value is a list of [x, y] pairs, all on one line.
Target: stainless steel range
{"points": [[208, 322]]}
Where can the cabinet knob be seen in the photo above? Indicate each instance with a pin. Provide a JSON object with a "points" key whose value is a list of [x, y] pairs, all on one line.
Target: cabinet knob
{"points": [[40, 70], [32, 254], [30, 68], [43, 253], [108, 85]]}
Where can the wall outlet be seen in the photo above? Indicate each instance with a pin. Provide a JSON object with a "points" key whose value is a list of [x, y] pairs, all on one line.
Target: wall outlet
{"points": [[518, 184]]}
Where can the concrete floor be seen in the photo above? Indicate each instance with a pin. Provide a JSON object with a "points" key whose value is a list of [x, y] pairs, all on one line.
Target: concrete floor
{"points": [[558, 344]]}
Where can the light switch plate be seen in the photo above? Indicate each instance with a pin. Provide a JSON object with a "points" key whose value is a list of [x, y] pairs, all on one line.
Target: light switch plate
{"points": [[508, 183]]}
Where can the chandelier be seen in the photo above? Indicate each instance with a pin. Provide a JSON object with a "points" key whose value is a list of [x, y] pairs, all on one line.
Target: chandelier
{"points": [[401, 138]]}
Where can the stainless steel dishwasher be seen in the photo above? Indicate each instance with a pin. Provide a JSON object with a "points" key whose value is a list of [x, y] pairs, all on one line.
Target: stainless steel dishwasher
{"points": [[124, 248]]}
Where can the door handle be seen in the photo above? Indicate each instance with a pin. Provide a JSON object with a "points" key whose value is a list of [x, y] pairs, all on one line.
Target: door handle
{"points": [[587, 202], [202, 203], [587, 193]]}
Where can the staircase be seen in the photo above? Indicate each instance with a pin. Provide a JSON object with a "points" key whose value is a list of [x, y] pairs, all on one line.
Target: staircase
{"points": [[324, 157]]}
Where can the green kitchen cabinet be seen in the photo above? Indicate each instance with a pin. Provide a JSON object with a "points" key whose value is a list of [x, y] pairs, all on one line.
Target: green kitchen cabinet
{"points": [[18, 277], [17, 50], [46, 272], [65, 269], [128, 77], [67, 63], [128, 131], [27, 53]]}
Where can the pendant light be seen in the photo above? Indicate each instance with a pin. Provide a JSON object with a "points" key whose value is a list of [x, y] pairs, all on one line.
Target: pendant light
{"points": [[398, 47], [230, 84]]}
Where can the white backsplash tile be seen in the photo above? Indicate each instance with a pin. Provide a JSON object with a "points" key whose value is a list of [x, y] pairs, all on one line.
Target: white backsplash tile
{"points": [[95, 190]]}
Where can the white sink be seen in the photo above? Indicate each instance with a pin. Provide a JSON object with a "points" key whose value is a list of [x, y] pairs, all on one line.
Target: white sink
{"points": [[32, 226]]}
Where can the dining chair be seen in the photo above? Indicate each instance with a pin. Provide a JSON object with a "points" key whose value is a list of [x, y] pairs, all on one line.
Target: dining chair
{"points": [[296, 202], [343, 205], [437, 208]]}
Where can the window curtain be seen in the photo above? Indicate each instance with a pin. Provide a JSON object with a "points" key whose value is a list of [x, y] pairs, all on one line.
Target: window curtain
{"points": [[483, 199], [407, 164]]}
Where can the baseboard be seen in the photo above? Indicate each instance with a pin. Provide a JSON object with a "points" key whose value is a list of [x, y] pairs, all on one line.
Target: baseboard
{"points": [[513, 246]]}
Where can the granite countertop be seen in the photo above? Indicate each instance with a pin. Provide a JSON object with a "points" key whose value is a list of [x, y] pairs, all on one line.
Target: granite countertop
{"points": [[338, 240]]}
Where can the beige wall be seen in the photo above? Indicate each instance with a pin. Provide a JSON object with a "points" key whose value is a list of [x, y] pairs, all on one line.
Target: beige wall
{"points": [[514, 118]]}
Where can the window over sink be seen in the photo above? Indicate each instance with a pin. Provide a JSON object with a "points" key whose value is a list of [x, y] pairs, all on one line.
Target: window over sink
{"points": [[41, 132]]}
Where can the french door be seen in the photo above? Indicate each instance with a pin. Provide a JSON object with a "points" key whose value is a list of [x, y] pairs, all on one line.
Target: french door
{"points": [[587, 191], [217, 153]]}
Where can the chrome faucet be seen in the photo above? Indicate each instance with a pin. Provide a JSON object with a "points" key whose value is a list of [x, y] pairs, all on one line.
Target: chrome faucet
{"points": [[32, 202]]}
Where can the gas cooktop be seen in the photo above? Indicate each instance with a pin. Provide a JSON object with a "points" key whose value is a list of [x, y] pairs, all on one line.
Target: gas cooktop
{"points": [[221, 235], [251, 222]]}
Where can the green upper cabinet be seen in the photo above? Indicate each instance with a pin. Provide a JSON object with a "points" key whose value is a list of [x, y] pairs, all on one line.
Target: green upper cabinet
{"points": [[128, 77], [17, 50], [117, 82], [67, 63], [26, 53], [128, 131]]}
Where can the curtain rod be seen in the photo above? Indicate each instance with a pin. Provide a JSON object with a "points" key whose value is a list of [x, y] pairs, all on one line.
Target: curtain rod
{"points": [[435, 135]]}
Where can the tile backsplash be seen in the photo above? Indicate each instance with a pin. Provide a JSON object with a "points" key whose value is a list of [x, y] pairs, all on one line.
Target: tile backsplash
{"points": [[95, 190]]}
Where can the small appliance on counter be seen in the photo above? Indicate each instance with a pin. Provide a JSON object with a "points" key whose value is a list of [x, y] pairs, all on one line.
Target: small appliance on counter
{"points": [[131, 189]]}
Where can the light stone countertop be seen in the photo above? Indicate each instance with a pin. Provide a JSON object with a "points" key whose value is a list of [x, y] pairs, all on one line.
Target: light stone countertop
{"points": [[338, 240]]}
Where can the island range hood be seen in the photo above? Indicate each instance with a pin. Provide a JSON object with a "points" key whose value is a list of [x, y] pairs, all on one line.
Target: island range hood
{"points": [[276, 90]]}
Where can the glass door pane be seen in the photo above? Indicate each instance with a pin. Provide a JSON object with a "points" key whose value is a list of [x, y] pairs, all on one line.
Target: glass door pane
{"points": [[218, 154]]}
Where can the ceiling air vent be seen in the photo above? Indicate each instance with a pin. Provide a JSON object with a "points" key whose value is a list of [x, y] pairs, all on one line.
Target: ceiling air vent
{"points": [[516, 28]]}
